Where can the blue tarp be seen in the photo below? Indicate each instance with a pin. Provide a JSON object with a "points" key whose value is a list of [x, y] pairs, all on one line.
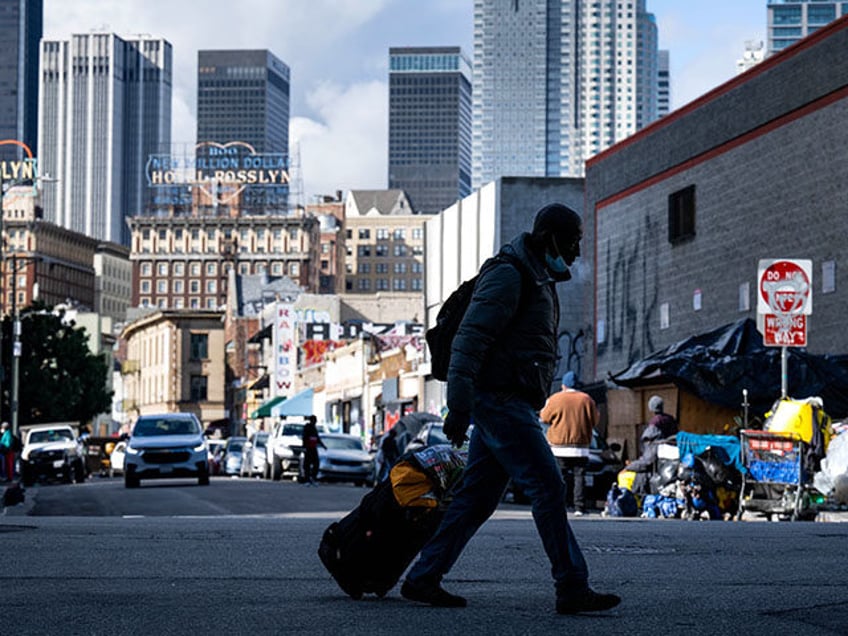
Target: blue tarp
{"points": [[728, 448]]}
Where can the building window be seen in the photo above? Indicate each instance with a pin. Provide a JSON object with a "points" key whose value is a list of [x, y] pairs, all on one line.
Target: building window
{"points": [[382, 284], [363, 268], [382, 233], [163, 269], [199, 346], [399, 284], [211, 269], [211, 287], [146, 269], [400, 250], [194, 269], [681, 215], [198, 388], [381, 250], [364, 234], [364, 250], [364, 284], [194, 286], [179, 287], [145, 287], [399, 234], [161, 286], [211, 303], [179, 269]]}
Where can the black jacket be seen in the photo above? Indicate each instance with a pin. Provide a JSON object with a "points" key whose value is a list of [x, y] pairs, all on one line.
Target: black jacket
{"points": [[507, 340]]}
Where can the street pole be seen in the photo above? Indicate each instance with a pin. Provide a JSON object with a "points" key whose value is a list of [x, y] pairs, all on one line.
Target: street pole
{"points": [[16, 347]]}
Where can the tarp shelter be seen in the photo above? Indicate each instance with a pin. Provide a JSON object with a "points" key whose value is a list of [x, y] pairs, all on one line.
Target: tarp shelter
{"points": [[717, 365], [407, 427], [298, 404], [265, 409]]}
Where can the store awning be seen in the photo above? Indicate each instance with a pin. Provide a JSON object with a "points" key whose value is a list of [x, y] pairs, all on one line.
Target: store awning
{"points": [[298, 404], [265, 409]]}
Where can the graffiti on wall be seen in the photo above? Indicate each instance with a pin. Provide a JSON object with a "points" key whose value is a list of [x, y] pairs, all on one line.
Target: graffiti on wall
{"points": [[631, 299], [572, 353]]}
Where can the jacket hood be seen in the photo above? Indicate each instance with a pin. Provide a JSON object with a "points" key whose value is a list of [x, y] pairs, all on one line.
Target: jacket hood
{"points": [[518, 247]]}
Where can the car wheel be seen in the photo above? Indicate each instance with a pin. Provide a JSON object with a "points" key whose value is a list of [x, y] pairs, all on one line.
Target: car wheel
{"points": [[203, 478], [131, 481], [26, 477], [276, 470], [68, 474], [266, 473]]}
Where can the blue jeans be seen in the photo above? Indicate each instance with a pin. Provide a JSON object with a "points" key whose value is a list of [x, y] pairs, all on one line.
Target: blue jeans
{"points": [[507, 441]]}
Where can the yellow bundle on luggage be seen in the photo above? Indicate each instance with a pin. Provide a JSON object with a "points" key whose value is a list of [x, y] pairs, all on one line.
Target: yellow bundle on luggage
{"points": [[798, 417], [411, 486]]}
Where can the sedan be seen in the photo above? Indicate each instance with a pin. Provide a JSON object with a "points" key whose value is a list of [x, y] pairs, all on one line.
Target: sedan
{"points": [[253, 462], [116, 459], [233, 456], [166, 445], [345, 459]]}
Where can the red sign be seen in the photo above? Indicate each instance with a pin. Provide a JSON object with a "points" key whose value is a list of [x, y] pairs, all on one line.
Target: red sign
{"points": [[785, 286], [785, 330]]}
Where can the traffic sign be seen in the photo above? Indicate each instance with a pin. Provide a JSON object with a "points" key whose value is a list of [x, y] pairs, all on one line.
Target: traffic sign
{"points": [[784, 330], [785, 286]]}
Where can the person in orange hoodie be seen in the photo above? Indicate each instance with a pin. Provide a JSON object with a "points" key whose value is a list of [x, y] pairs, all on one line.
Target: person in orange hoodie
{"points": [[572, 416]]}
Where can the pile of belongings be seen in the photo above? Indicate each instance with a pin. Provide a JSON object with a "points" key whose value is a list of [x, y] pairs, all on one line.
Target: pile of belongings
{"points": [[426, 478]]}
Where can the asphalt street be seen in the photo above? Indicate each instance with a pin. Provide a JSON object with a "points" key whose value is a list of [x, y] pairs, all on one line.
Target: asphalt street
{"points": [[178, 572]]}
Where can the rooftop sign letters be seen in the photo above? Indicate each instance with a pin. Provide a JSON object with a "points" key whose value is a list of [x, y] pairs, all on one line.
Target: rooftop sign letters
{"points": [[22, 170], [220, 171]]}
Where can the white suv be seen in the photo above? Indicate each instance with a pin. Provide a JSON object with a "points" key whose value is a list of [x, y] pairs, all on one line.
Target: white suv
{"points": [[52, 451], [167, 445], [284, 448]]}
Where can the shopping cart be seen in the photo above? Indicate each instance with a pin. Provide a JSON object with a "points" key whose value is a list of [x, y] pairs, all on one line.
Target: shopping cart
{"points": [[775, 480]]}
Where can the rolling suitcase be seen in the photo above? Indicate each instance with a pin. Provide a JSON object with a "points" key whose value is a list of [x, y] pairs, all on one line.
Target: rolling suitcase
{"points": [[369, 549]]}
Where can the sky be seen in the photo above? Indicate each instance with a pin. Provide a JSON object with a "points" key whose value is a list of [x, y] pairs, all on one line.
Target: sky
{"points": [[338, 51]]}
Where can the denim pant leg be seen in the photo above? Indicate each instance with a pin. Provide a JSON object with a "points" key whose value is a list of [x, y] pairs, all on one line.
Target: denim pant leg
{"points": [[483, 484], [512, 432]]}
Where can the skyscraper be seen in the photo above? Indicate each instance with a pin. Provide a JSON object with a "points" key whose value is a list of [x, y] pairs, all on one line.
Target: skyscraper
{"points": [[20, 31], [557, 81], [791, 20], [104, 107], [664, 85], [430, 126], [243, 96]]}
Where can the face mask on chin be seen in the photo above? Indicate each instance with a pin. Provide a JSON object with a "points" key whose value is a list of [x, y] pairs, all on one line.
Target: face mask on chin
{"points": [[556, 265]]}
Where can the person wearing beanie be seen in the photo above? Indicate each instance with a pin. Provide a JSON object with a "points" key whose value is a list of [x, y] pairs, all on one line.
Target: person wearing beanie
{"points": [[572, 416], [502, 363], [660, 427]]}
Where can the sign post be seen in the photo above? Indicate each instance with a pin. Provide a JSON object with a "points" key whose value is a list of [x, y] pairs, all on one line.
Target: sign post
{"points": [[785, 299]]}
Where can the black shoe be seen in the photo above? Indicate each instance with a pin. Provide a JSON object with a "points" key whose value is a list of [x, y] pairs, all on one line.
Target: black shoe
{"points": [[586, 601], [430, 593]]}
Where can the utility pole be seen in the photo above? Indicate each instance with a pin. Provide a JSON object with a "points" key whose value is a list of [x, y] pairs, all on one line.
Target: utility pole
{"points": [[16, 347]]}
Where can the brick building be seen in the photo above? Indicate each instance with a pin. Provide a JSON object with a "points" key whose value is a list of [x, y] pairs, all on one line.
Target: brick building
{"points": [[679, 214]]}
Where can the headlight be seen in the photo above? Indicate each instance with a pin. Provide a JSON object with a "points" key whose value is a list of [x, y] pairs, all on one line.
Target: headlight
{"points": [[132, 451], [199, 447]]}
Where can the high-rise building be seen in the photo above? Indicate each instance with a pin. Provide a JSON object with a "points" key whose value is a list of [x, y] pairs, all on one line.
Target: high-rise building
{"points": [[789, 21], [557, 81], [664, 85], [754, 53], [20, 31], [243, 96], [104, 107], [430, 126]]}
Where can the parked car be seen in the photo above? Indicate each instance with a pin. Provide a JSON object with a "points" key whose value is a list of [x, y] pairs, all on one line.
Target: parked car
{"points": [[345, 459], [233, 456], [215, 451], [52, 451], [253, 461], [116, 459], [166, 445]]}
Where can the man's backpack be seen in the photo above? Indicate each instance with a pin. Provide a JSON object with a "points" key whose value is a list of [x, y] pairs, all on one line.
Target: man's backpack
{"points": [[440, 336]]}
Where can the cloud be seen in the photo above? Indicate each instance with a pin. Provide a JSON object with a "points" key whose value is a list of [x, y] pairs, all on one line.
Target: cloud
{"points": [[347, 147]]}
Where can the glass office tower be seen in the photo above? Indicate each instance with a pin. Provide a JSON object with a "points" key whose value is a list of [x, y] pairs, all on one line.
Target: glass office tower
{"points": [[557, 81], [430, 126]]}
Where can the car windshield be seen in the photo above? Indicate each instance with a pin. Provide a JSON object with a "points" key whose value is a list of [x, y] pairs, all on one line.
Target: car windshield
{"points": [[293, 429], [342, 443], [260, 442], [41, 437], [153, 426], [235, 446]]}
